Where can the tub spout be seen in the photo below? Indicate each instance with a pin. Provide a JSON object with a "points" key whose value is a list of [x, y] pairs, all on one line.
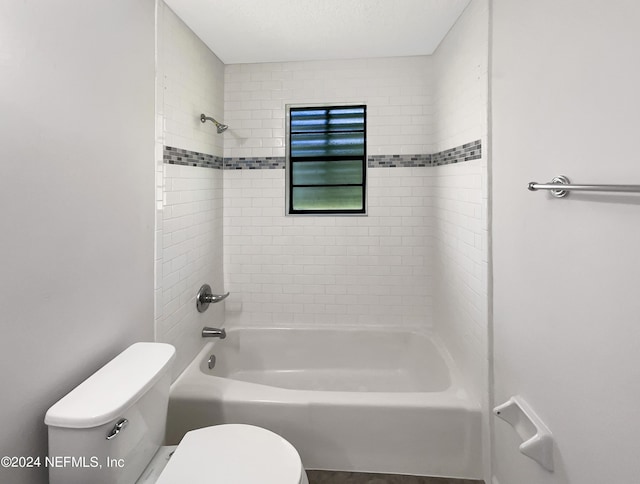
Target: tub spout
{"points": [[213, 333]]}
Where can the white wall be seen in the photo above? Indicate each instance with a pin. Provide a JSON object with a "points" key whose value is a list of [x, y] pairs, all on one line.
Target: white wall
{"points": [[189, 201], [565, 83], [323, 270], [76, 191]]}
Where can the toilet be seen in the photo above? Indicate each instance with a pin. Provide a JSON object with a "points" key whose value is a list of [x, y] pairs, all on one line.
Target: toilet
{"points": [[110, 429]]}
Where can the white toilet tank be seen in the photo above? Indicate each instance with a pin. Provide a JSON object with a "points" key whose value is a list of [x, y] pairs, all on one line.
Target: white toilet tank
{"points": [[134, 386]]}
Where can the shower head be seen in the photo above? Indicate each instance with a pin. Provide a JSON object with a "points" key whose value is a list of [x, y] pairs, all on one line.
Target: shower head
{"points": [[221, 127]]}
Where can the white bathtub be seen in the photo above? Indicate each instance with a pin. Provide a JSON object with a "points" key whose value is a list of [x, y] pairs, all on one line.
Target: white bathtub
{"points": [[348, 399]]}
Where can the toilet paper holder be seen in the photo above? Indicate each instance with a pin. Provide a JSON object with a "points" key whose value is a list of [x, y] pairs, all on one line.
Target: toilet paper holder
{"points": [[537, 439]]}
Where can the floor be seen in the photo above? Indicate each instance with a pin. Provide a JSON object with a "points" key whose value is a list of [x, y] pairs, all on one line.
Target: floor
{"points": [[334, 477]]}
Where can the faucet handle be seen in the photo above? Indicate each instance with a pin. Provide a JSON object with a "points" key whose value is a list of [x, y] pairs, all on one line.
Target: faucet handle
{"points": [[205, 297], [213, 298]]}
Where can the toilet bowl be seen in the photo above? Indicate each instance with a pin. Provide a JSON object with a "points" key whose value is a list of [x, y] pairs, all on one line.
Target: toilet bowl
{"points": [[110, 429]]}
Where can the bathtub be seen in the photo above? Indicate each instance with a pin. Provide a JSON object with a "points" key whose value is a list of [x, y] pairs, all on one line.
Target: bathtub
{"points": [[366, 400]]}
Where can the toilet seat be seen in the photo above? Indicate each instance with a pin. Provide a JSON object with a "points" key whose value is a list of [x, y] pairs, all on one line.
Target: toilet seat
{"points": [[233, 453]]}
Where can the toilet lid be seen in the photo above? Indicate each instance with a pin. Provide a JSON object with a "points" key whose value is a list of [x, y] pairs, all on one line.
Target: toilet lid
{"points": [[233, 453]]}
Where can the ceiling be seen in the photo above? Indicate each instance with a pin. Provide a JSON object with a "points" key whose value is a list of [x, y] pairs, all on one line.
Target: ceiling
{"points": [[250, 31]]}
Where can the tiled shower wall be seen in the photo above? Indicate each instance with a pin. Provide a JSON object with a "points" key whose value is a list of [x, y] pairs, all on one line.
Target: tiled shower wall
{"points": [[460, 200], [190, 81], [460, 193], [419, 257], [322, 270], [397, 92]]}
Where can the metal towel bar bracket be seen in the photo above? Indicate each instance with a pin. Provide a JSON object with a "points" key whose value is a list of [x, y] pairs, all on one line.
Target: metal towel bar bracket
{"points": [[560, 187]]}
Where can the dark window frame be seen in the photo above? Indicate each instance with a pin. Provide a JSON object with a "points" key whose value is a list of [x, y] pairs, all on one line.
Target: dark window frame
{"points": [[299, 159]]}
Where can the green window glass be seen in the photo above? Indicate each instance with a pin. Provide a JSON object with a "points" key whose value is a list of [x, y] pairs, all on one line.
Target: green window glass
{"points": [[327, 159]]}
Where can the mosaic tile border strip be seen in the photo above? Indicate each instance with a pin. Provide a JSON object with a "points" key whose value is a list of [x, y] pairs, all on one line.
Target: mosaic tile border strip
{"points": [[398, 161], [178, 156], [266, 163], [459, 154], [465, 152]]}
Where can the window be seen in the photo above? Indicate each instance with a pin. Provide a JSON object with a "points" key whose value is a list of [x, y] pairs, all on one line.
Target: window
{"points": [[327, 162]]}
